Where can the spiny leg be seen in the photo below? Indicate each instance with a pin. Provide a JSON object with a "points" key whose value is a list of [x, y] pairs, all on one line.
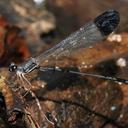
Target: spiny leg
{"points": [[19, 75], [40, 108], [32, 122], [23, 80]]}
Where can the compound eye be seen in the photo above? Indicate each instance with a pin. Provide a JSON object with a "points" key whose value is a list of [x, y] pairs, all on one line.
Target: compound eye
{"points": [[12, 67]]}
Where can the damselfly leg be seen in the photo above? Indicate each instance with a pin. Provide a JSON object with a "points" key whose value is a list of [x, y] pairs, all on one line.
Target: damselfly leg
{"points": [[24, 81]]}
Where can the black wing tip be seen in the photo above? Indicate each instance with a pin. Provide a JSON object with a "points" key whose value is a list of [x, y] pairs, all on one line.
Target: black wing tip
{"points": [[107, 22]]}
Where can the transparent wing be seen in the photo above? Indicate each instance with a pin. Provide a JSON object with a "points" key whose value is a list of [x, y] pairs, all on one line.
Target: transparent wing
{"points": [[87, 35], [90, 33]]}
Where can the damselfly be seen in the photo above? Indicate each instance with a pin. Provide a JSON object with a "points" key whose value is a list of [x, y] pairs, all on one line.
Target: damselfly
{"points": [[89, 34]]}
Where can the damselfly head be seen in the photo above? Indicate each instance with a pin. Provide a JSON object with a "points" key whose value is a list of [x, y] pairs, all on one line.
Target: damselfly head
{"points": [[12, 67]]}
